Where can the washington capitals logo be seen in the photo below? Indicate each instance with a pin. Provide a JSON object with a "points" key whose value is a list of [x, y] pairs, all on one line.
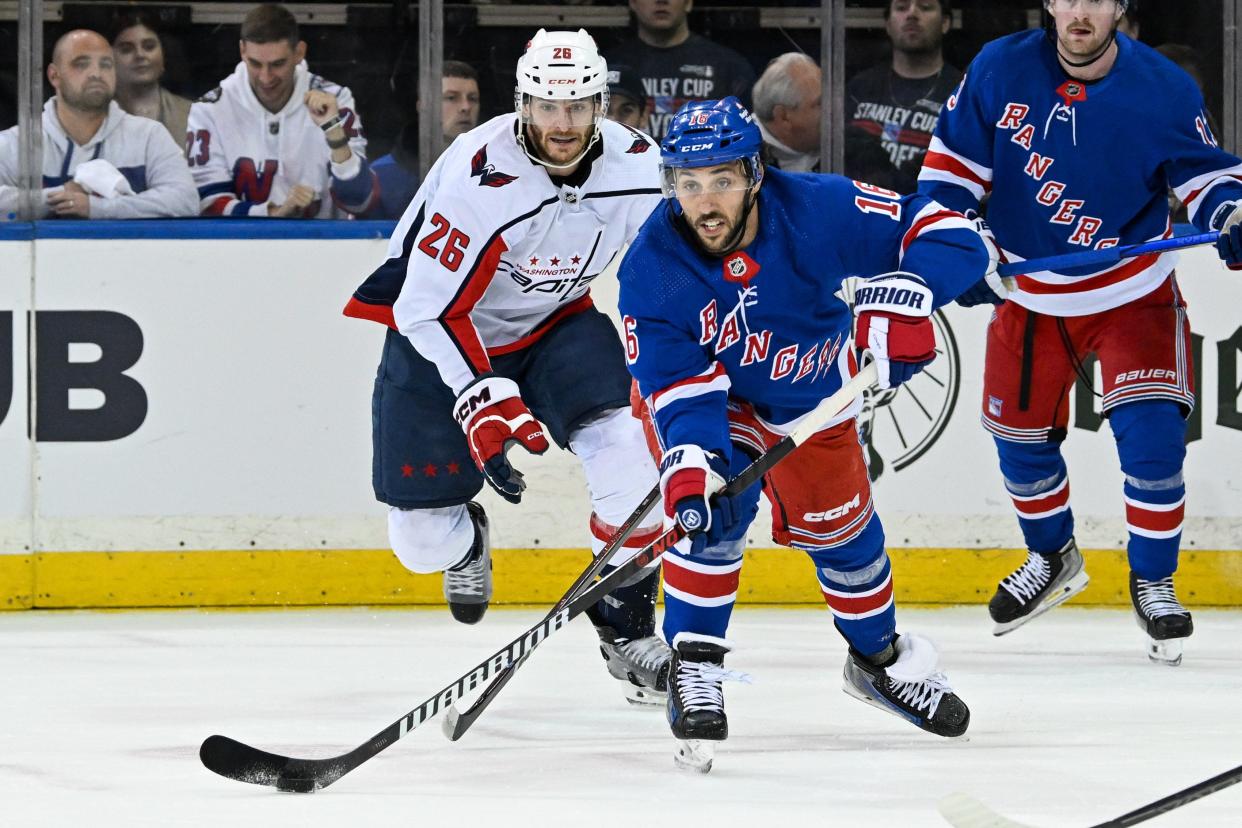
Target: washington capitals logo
{"points": [[639, 145], [486, 173]]}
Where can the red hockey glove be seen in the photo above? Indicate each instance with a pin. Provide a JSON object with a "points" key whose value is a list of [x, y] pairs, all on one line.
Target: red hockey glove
{"points": [[491, 412], [894, 327]]}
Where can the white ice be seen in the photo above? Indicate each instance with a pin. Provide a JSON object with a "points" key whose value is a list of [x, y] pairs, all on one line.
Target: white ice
{"points": [[102, 715]]}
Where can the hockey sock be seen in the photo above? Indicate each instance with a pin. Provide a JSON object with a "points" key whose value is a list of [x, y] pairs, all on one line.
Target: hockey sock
{"points": [[859, 593], [699, 590], [1151, 443], [630, 608], [1038, 484]]}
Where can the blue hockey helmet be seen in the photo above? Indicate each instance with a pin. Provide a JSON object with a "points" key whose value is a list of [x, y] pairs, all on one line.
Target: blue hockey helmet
{"points": [[706, 133]]}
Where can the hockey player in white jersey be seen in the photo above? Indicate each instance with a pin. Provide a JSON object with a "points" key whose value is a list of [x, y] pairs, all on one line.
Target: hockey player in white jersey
{"points": [[492, 332], [275, 140]]}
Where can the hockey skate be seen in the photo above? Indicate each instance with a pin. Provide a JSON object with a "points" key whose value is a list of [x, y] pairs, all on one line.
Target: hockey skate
{"points": [[909, 685], [1162, 617], [1041, 583], [642, 664], [696, 698], [468, 585]]}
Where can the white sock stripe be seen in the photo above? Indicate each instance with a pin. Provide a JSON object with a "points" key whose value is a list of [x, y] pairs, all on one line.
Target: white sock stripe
{"points": [[698, 600], [703, 569], [1154, 534], [1156, 507], [1064, 507], [888, 579]]}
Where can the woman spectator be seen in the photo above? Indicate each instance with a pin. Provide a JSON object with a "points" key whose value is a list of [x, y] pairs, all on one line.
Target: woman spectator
{"points": [[139, 54]]}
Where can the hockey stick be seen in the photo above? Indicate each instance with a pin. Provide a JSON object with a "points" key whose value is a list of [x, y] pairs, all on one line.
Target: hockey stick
{"points": [[964, 812], [236, 760], [457, 722], [1107, 256]]}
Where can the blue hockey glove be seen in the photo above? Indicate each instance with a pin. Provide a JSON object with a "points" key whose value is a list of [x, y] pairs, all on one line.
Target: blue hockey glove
{"points": [[894, 326], [689, 481], [1228, 220]]}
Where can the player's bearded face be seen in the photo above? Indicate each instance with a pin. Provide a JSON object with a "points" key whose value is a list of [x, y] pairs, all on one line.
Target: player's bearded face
{"points": [[560, 129], [1084, 27], [712, 200]]}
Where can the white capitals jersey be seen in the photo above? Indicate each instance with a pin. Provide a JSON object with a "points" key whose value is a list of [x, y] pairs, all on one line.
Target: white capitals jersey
{"points": [[243, 156], [491, 252]]}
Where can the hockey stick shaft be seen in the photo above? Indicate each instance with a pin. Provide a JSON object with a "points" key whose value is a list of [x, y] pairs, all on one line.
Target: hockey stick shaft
{"points": [[236, 760], [1107, 256], [457, 722]]}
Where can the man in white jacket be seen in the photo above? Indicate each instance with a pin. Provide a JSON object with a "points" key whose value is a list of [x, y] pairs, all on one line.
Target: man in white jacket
{"points": [[98, 161], [274, 140]]}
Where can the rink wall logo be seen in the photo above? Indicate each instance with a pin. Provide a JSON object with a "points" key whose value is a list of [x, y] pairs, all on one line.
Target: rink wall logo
{"points": [[76, 351]]}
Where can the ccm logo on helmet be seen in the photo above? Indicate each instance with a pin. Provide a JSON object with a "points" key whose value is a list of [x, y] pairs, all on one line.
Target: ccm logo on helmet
{"points": [[697, 147], [832, 514], [562, 81]]}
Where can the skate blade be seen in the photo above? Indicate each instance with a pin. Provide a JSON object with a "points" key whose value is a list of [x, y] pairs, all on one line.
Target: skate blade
{"points": [[645, 698], [1167, 652], [694, 755], [1065, 592]]}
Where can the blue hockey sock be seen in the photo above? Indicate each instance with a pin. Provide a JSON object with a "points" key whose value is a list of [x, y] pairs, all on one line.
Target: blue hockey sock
{"points": [[1038, 484]]}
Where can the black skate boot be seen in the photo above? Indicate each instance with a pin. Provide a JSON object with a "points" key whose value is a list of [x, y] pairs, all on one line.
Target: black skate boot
{"points": [[1041, 583], [696, 698], [909, 685], [1159, 614], [468, 584]]}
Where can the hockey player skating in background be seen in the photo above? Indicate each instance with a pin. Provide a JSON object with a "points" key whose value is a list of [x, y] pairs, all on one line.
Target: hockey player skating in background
{"points": [[735, 329], [1078, 134], [486, 292]]}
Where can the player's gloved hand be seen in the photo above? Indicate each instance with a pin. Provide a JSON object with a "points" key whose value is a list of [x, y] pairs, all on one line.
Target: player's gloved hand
{"points": [[491, 412], [893, 326], [991, 289], [1228, 220], [690, 479]]}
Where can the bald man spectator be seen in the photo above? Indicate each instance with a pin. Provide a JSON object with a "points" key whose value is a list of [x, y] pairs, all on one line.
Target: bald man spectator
{"points": [[787, 103], [896, 107], [677, 65], [98, 161]]}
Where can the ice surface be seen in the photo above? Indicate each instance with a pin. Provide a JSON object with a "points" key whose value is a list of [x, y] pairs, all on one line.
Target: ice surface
{"points": [[103, 714]]}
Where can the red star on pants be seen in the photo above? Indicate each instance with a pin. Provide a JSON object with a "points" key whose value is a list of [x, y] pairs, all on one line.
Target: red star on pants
{"points": [[575, 260], [429, 470], [555, 261], [407, 470], [452, 468]]}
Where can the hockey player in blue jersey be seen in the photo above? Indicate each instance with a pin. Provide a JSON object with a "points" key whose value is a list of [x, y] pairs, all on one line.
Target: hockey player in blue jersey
{"points": [[736, 326], [1078, 134]]}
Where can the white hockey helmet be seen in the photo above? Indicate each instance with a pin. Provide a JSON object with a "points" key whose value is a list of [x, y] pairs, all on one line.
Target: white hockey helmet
{"points": [[561, 66]]}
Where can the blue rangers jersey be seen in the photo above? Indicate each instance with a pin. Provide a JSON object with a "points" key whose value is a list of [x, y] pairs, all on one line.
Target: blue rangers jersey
{"points": [[770, 324], [1072, 166]]}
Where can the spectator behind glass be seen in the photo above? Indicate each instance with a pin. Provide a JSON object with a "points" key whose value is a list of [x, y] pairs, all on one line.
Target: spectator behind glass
{"points": [[98, 161], [896, 107], [787, 103], [677, 66], [139, 54], [459, 113], [274, 140], [627, 102], [1129, 23]]}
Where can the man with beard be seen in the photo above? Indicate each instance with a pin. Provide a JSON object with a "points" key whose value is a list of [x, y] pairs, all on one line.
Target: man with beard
{"points": [[98, 161], [894, 107], [273, 139], [486, 294], [735, 330], [459, 112], [1059, 128]]}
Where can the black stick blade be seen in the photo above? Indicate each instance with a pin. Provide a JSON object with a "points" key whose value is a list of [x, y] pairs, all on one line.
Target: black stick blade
{"points": [[234, 760]]}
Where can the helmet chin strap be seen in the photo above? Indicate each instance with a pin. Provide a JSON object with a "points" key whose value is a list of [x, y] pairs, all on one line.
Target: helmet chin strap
{"points": [[521, 139]]}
